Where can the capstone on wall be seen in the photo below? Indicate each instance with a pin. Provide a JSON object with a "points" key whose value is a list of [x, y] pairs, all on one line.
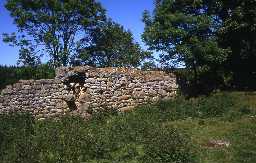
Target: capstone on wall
{"points": [[84, 90]]}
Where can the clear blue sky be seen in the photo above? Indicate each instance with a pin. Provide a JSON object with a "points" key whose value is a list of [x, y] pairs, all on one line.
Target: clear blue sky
{"points": [[126, 12]]}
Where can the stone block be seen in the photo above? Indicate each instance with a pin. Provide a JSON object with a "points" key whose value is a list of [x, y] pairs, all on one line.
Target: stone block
{"points": [[99, 88]]}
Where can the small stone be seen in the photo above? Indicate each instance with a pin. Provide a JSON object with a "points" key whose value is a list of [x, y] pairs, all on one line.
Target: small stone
{"points": [[162, 92], [218, 143], [69, 98], [90, 80], [126, 109], [131, 85], [124, 97]]}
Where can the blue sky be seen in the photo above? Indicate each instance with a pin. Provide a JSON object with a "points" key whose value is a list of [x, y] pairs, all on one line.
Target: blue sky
{"points": [[126, 12]]}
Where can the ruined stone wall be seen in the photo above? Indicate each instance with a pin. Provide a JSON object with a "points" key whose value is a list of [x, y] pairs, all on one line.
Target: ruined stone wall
{"points": [[42, 98], [83, 90]]}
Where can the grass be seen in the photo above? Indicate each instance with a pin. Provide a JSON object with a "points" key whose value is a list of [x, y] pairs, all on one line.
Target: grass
{"points": [[177, 131]]}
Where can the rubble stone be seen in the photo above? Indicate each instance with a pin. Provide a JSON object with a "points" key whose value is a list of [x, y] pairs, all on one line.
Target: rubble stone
{"points": [[76, 90]]}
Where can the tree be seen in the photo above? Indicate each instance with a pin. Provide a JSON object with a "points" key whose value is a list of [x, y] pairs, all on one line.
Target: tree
{"points": [[149, 65], [112, 46], [238, 32], [28, 58], [27, 55], [184, 32], [157, 2], [55, 27]]}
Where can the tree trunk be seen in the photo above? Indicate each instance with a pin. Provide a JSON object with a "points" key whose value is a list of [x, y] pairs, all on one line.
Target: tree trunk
{"points": [[195, 82]]}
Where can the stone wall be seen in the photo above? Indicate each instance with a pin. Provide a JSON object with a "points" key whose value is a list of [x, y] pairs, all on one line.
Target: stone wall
{"points": [[42, 98], [83, 90]]}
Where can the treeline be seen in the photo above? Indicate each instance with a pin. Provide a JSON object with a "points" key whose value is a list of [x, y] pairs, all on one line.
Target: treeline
{"points": [[214, 39], [11, 74], [71, 33]]}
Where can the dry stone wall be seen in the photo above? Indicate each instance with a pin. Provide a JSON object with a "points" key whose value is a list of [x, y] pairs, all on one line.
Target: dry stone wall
{"points": [[42, 98], [84, 90]]}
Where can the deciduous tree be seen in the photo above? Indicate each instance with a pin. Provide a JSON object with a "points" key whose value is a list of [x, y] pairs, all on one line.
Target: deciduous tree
{"points": [[238, 32], [184, 31], [113, 46], [55, 27]]}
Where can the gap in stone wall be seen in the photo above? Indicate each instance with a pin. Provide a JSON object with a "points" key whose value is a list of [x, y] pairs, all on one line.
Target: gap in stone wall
{"points": [[84, 90]]}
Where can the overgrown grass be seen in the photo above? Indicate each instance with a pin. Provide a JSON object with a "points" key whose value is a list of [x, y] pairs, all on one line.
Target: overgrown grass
{"points": [[171, 131]]}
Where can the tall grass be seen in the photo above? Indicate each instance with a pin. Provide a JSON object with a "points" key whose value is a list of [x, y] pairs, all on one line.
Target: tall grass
{"points": [[168, 132]]}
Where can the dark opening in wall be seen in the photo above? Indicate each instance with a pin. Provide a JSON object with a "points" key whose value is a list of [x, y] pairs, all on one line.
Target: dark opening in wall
{"points": [[71, 105], [70, 100]]}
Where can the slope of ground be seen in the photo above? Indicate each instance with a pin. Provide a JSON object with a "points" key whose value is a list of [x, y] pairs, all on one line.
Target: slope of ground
{"points": [[218, 128]]}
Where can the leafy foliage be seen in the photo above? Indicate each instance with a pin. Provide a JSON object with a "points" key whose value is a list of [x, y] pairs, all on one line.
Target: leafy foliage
{"points": [[211, 37], [149, 64], [184, 32], [238, 32], [170, 131], [71, 139], [57, 28], [10, 75], [113, 46], [27, 56], [16, 132], [208, 81]]}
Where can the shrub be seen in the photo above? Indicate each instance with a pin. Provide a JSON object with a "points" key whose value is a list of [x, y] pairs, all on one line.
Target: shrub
{"points": [[62, 140], [151, 133], [167, 145], [216, 105], [16, 132], [223, 105], [207, 81]]}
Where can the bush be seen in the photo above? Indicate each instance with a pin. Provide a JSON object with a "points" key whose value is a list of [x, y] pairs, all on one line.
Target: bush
{"points": [[168, 144], [218, 105], [16, 132], [151, 133], [207, 81], [122, 138], [62, 140]]}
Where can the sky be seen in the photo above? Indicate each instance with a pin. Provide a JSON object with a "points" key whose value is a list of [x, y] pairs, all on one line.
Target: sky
{"points": [[126, 12]]}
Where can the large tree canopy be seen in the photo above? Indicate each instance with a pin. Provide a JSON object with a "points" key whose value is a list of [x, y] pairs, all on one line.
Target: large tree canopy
{"points": [[113, 46], [239, 33], [54, 27], [184, 31]]}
